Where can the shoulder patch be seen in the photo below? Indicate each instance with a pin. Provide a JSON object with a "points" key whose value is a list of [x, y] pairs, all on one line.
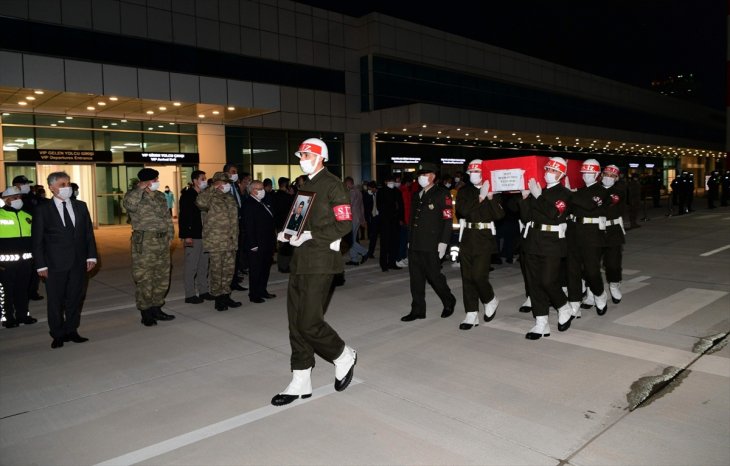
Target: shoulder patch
{"points": [[447, 214], [343, 212], [561, 206]]}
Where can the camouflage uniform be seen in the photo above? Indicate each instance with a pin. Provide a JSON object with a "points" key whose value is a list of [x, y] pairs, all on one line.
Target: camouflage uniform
{"points": [[220, 236], [152, 232]]}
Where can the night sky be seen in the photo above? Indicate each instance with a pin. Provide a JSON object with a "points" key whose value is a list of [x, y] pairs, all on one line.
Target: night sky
{"points": [[630, 41]]}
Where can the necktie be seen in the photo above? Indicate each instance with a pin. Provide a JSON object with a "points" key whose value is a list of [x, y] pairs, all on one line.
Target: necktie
{"points": [[67, 217]]}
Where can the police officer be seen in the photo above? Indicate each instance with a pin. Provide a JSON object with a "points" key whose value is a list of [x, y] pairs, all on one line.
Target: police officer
{"points": [[479, 209], [315, 262], [615, 235], [431, 218], [713, 189], [220, 237], [587, 237], [152, 232], [679, 196], [544, 213], [15, 259]]}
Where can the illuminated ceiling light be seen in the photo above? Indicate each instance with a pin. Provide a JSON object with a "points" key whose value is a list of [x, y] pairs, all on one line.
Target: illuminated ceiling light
{"points": [[404, 129], [101, 104], [113, 99], [230, 109], [176, 104], [467, 134], [23, 102], [62, 121], [150, 112], [151, 128], [104, 126], [171, 123], [495, 136], [485, 131], [90, 108], [30, 97], [439, 132], [201, 116], [424, 126], [38, 91], [215, 112], [162, 108], [54, 124], [160, 126], [458, 129], [123, 121], [69, 118], [114, 123], [514, 134]]}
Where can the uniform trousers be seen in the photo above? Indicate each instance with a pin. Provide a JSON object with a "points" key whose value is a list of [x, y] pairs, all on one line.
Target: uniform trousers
{"points": [[475, 279], [307, 299], [195, 269], [389, 243], [150, 268], [426, 266], [220, 270], [543, 283], [64, 291], [584, 262], [612, 258], [15, 279]]}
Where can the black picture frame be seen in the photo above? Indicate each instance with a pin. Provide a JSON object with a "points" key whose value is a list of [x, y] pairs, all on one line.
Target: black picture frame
{"points": [[297, 217]]}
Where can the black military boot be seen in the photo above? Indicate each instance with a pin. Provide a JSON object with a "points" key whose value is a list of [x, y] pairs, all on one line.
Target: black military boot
{"points": [[159, 315], [147, 318], [231, 303], [220, 304]]}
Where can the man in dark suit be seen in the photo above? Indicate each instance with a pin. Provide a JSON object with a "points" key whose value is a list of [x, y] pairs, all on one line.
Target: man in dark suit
{"points": [[64, 249], [259, 240], [389, 202]]}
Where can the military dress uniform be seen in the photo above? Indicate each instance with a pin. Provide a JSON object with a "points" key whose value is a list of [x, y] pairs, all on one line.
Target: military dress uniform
{"points": [[15, 265], [615, 240], [544, 245], [152, 231], [478, 243], [431, 220], [220, 240], [312, 269], [587, 237]]}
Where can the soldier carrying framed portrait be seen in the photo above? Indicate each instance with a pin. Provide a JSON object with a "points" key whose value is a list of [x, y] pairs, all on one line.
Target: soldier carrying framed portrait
{"points": [[298, 214]]}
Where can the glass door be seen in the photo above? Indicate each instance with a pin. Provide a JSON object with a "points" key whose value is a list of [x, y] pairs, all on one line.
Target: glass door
{"points": [[112, 183]]}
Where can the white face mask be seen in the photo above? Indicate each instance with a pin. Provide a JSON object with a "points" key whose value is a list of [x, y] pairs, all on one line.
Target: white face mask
{"points": [[16, 204], [456, 179], [24, 188], [155, 186], [226, 188], [234, 177], [423, 181], [308, 165], [390, 184], [397, 184], [260, 194], [65, 192], [589, 178], [448, 185], [551, 178], [203, 184], [608, 181], [475, 178]]}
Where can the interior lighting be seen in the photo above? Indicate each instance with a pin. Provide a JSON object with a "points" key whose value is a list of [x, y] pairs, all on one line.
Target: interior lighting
{"points": [[30, 97], [230, 109], [101, 104], [104, 126], [201, 116], [150, 112], [23, 102], [176, 104], [38, 91], [90, 108], [162, 109], [123, 121], [113, 99], [69, 118], [424, 126], [54, 124], [215, 112]]}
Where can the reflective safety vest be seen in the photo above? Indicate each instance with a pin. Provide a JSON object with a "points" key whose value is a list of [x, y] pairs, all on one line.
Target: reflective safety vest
{"points": [[15, 224]]}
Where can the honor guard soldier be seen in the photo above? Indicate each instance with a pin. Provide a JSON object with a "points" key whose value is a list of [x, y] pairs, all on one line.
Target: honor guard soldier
{"points": [[544, 213], [587, 236], [220, 237], [713, 189], [152, 232], [315, 262], [476, 205], [615, 234], [431, 219], [15, 259]]}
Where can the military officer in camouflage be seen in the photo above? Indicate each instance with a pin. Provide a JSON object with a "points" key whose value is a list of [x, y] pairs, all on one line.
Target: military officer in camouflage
{"points": [[152, 232], [220, 237], [431, 218], [315, 262], [478, 209]]}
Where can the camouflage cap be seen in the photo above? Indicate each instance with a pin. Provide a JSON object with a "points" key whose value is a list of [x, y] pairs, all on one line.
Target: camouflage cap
{"points": [[221, 176]]}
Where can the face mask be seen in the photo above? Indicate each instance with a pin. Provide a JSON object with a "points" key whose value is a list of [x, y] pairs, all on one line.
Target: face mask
{"points": [[260, 194], [226, 188], [608, 181], [475, 178], [448, 185], [390, 184], [551, 178], [456, 179], [65, 192], [76, 194], [24, 188], [308, 166], [16, 204], [589, 178], [397, 184], [423, 181], [203, 184], [155, 186], [234, 177]]}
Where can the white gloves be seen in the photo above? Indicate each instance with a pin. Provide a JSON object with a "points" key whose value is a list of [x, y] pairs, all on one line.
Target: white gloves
{"points": [[335, 245], [535, 188], [442, 250], [2, 203], [484, 191], [305, 236], [281, 238], [525, 193]]}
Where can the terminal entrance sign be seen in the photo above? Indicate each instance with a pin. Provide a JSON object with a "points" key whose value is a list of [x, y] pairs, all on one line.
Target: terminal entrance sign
{"points": [[63, 155], [167, 158]]}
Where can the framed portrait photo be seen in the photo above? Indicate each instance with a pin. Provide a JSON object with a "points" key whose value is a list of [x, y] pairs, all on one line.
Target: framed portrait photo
{"points": [[298, 214]]}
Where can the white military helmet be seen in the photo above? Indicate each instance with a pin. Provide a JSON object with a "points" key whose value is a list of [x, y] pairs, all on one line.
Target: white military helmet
{"points": [[591, 166], [315, 146], [557, 163], [611, 170], [474, 165]]}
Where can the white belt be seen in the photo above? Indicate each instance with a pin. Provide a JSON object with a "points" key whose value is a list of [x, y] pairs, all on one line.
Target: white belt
{"points": [[600, 221], [560, 228], [482, 226], [617, 221]]}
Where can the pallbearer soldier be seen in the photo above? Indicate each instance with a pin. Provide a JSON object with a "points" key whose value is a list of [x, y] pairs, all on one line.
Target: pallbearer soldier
{"points": [[220, 237], [615, 240], [152, 232], [431, 219], [587, 235], [477, 206], [544, 213], [315, 262]]}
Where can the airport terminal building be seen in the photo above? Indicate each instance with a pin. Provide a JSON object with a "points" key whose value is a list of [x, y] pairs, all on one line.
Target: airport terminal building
{"points": [[102, 88]]}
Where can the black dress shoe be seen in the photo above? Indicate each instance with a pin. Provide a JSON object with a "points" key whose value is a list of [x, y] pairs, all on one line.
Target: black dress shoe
{"points": [[147, 319], [535, 336], [565, 326], [75, 337], [229, 302], [207, 297], [352, 263], [448, 310], [600, 311], [363, 259], [35, 297], [268, 295], [257, 300], [238, 287], [8, 324], [194, 300], [57, 343], [157, 314], [220, 304], [525, 308], [281, 399], [29, 320], [615, 301], [342, 384], [411, 317]]}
